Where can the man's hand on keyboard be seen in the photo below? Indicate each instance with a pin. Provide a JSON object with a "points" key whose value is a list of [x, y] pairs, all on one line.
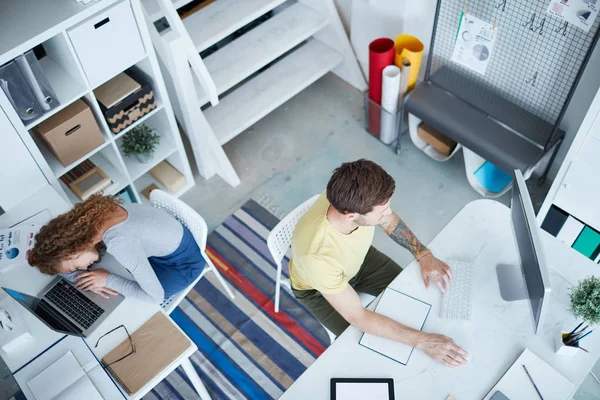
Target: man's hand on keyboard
{"points": [[95, 281], [442, 349], [436, 270]]}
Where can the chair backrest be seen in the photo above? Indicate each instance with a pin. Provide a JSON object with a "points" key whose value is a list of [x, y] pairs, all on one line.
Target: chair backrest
{"points": [[280, 237], [184, 213]]}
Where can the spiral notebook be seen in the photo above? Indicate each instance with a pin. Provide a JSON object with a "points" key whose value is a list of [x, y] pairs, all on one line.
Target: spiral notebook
{"points": [[157, 344]]}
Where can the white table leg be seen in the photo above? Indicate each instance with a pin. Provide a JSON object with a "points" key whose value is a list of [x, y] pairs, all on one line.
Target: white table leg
{"points": [[195, 379]]}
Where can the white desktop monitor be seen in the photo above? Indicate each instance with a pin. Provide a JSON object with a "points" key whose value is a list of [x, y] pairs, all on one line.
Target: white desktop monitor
{"points": [[530, 280]]}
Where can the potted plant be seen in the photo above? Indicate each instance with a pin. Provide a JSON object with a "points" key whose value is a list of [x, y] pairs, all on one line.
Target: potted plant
{"points": [[141, 141], [585, 300]]}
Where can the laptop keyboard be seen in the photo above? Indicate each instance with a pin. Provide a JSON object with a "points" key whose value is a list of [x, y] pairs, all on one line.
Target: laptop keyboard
{"points": [[74, 304]]}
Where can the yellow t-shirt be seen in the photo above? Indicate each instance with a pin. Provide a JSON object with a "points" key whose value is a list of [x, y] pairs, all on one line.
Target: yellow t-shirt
{"points": [[323, 258]]}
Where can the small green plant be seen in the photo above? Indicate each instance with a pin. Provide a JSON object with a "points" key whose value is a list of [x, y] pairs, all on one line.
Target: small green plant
{"points": [[585, 300], [140, 140]]}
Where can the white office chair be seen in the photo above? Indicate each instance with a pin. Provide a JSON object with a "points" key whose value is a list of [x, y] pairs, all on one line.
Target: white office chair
{"points": [[279, 241], [196, 224]]}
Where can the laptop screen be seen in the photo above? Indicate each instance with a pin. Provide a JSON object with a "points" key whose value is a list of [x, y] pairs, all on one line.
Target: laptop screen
{"points": [[45, 313]]}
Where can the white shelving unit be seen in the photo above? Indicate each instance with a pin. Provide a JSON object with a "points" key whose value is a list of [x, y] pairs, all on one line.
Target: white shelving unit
{"points": [[254, 73], [576, 188], [66, 74]]}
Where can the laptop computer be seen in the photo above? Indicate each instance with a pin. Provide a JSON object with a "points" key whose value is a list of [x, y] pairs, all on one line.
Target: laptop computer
{"points": [[66, 309]]}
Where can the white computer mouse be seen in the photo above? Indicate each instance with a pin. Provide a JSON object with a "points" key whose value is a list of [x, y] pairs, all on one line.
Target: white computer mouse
{"points": [[6, 323]]}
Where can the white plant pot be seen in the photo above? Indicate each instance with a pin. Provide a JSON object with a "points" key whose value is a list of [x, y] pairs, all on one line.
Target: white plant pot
{"points": [[145, 158]]}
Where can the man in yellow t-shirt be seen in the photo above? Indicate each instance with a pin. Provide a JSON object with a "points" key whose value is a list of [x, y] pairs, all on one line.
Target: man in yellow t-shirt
{"points": [[332, 259]]}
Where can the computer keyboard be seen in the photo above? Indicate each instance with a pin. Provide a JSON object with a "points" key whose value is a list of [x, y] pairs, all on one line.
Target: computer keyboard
{"points": [[74, 304], [457, 301]]}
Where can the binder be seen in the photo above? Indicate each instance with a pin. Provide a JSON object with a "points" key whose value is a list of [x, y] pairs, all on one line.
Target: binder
{"points": [[37, 81], [17, 90], [157, 344]]}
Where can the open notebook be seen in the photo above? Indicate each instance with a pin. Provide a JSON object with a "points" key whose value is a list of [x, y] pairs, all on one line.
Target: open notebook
{"points": [[65, 380], [402, 308]]}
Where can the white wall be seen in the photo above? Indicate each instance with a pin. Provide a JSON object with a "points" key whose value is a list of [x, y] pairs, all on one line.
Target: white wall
{"points": [[344, 8], [418, 21], [578, 107]]}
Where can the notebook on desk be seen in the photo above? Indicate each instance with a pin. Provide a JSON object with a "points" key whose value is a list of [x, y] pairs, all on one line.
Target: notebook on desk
{"points": [[404, 309], [516, 385], [65, 380], [157, 344]]}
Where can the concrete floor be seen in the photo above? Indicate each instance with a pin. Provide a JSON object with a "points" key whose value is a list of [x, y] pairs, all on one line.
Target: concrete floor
{"points": [[289, 156]]}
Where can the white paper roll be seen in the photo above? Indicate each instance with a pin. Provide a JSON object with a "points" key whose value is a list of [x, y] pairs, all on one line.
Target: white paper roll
{"points": [[389, 103]]}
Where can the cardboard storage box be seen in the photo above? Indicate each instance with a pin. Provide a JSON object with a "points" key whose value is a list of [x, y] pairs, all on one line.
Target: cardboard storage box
{"points": [[437, 140], [125, 99], [168, 176], [71, 133]]}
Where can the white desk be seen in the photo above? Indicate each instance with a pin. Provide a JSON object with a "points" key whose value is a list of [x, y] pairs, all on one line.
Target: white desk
{"points": [[499, 330], [131, 313]]}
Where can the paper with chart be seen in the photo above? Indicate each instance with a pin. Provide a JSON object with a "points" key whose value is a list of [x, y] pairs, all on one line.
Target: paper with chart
{"points": [[15, 245], [474, 43], [580, 13], [65, 380], [402, 308]]}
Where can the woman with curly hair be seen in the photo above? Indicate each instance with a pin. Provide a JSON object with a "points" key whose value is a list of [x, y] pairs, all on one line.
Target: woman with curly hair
{"points": [[158, 251]]}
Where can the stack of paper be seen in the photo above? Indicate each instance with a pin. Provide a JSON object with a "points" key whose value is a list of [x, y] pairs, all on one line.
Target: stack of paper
{"points": [[64, 380]]}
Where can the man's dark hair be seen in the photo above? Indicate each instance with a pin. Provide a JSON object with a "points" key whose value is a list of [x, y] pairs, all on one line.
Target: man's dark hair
{"points": [[359, 186]]}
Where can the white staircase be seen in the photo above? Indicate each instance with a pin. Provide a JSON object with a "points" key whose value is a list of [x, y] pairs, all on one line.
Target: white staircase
{"points": [[300, 43]]}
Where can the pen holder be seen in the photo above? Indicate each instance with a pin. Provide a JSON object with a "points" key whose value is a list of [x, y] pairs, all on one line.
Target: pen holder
{"points": [[562, 348]]}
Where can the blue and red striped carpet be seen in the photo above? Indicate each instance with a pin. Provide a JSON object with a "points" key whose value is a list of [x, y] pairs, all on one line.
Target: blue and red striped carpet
{"points": [[246, 350]]}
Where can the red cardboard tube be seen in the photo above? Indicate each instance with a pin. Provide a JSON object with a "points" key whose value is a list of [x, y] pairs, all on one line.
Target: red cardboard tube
{"points": [[381, 54]]}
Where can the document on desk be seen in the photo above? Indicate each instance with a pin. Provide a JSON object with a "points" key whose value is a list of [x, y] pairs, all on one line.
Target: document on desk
{"points": [[517, 386], [405, 309], [65, 380]]}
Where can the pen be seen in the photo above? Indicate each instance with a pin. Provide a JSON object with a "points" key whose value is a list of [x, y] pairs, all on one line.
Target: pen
{"points": [[532, 382], [572, 336], [581, 348], [578, 339], [573, 331]]}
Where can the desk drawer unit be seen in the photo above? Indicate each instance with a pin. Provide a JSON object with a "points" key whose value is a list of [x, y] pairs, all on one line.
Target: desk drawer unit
{"points": [[107, 43]]}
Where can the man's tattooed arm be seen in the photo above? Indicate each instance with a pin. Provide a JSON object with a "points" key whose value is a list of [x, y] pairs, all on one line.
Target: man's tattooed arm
{"points": [[401, 234]]}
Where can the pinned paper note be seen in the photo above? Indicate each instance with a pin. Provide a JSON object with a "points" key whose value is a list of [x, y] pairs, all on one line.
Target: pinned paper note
{"points": [[474, 43], [580, 13]]}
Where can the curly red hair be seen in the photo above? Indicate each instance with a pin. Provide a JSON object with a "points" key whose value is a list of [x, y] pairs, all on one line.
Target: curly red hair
{"points": [[70, 233]]}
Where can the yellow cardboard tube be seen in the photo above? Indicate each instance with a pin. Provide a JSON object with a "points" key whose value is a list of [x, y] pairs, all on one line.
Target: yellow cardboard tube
{"points": [[409, 48]]}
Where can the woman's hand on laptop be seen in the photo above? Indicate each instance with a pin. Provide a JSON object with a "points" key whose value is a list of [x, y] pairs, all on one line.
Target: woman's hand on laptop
{"points": [[442, 349], [436, 270], [95, 281]]}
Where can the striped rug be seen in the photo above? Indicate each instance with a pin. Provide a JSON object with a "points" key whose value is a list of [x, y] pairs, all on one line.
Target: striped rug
{"points": [[246, 350]]}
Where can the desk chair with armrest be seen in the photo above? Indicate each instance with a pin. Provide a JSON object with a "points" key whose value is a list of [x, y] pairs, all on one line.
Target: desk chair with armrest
{"points": [[196, 224], [279, 241]]}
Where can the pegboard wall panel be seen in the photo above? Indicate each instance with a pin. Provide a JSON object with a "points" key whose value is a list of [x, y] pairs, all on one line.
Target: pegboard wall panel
{"points": [[536, 57]]}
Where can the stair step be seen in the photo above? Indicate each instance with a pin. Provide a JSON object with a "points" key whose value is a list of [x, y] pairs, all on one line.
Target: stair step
{"points": [[223, 17], [257, 48], [262, 94]]}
